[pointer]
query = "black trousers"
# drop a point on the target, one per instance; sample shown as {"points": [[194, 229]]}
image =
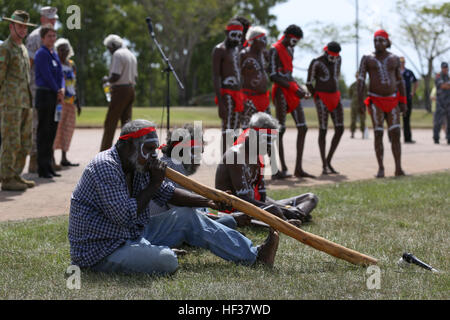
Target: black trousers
{"points": [[407, 121], [46, 131]]}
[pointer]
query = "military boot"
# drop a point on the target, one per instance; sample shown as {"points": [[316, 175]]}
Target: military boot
{"points": [[29, 183], [12, 184]]}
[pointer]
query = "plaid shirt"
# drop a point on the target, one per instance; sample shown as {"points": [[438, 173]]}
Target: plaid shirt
{"points": [[103, 216]]}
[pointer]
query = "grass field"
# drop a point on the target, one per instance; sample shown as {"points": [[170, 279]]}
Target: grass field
{"points": [[381, 218], [95, 116]]}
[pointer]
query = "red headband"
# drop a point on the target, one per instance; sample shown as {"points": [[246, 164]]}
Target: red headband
{"points": [[233, 27], [268, 131], [254, 38], [140, 133], [331, 53], [381, 33], [292, 36]]}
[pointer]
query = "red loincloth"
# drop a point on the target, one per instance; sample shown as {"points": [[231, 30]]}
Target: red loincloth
{"points": [[387, 104], [261, 101], [292, 100], [330, 99], [236, 95]]}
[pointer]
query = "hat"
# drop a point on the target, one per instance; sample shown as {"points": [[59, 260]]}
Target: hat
{"points": [[49, 12], [20, 17], [444, 65]]}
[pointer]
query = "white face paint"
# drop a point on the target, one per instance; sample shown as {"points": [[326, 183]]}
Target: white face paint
{"points": [[332, 59], [147, 155], [235, 35], [293, 42]]}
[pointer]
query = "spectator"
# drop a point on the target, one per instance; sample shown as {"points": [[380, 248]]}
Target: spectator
{"points": [[411, 85], [442, 103], [34, 42], [66, 125], [50, 91], [122, 76], [355, 109], [433, 107], [15, 104]]}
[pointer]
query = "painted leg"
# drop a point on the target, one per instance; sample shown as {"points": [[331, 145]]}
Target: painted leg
{"points": [[396, 151], [379, 151], [334, 143]]}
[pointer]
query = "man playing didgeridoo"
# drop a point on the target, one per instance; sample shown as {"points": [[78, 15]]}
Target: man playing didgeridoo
{"points": [[112, 230], [242, 172], [228, 81], [386, 97], [323, 84], [286, 94], [255, 80]]}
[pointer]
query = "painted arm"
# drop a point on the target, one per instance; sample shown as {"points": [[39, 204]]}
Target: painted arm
{"points": [[362, 83], [311, 77]]}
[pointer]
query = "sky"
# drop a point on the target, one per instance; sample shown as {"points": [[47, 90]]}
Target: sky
{"points": [[373, 13]]}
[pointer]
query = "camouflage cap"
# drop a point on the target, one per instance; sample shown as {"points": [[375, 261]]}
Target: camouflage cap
{"points": [[20, 17], [49, 12]]}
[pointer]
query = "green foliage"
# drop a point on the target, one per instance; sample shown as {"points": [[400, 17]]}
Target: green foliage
{"points": [[187, 31]]}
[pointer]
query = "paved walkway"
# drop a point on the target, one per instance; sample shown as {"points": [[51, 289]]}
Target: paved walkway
{"points": [[354, 159]]}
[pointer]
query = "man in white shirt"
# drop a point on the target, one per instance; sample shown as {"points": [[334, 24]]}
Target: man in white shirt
{"points": [[122, 77]]}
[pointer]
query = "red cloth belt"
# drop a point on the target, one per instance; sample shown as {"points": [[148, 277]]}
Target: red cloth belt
{"points": [[331, 53], [261, 101], [290, 95], [387, 104], [381, 33], [247, 44], [236, 95], [330, 99], [283, 54], [233, 27], [140, 133]]}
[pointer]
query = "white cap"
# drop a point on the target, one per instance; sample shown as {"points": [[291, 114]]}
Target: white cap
{"points": [[49, 12]]}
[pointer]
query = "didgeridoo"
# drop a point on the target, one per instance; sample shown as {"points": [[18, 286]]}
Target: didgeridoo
{"points": [[307, 238]]}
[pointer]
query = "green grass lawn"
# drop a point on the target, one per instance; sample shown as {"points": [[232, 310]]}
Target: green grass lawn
{"points": [[95, 116], [381, 218]]}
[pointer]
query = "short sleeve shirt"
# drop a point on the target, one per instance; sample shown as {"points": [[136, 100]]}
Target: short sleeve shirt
{"points": [[124, 63], [409, 78]]}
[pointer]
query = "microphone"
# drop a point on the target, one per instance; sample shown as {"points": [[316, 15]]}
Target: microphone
{"points": [[150, 26], [410, 258]]}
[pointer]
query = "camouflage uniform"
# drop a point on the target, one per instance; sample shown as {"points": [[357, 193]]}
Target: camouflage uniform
{"points": [[15, 108], [442, 107], [33, 44]]}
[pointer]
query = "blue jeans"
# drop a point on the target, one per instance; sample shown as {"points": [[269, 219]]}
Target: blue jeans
{"points": [[151, 253]]}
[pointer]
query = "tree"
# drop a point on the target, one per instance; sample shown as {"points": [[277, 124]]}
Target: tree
{"points": [[427, 28]]}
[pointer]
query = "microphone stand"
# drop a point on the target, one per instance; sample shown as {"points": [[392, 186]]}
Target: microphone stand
{"points": [[169, 69]]}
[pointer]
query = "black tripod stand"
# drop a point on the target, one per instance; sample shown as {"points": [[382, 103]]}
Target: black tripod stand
{"points": [[167, 70]]}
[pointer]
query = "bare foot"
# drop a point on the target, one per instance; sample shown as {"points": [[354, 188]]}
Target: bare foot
{"points": [[400, 173], [242, 219], [332, 169], [268, 250], [304, 174], [295, 222], [280, 175], [380, 173]]}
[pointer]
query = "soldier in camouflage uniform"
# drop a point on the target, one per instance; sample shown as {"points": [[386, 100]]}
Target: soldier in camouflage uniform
{"points": [[33, 43], [442, 83], [15, 104]]}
